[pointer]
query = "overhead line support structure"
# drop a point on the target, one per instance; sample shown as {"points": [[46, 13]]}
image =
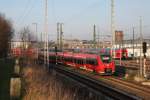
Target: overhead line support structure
{"points": [[141, 42], [36, 34], [58, 35], [46, 48], [94, 35], [61, 36], [112, 27]]}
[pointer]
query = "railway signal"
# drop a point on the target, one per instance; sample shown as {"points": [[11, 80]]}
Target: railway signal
{"points": [[144, 47], [144, 62]]}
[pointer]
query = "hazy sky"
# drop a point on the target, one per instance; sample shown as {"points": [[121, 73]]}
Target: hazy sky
{"points": [[78, 16]]}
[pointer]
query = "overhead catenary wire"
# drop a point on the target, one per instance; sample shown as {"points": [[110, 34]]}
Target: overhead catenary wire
{"points": [[23, 12], [80, 13], [128, 31], [75, 16], [53, 10], [27, 12]]}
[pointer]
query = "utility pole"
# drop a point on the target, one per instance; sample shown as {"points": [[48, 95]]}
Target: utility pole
{"points": [[98, 39], [133, 42], [94, 36], [58, 33], [61, 36], [41, 38], [46, 49], [112, 27], [141, 42], [36, 34]]}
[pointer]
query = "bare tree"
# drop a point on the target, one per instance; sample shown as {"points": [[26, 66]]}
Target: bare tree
{"points": [[26, 36], [6, 33]]}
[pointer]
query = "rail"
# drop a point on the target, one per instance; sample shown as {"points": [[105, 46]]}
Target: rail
{"points": [[135, 65], [96, 85]]}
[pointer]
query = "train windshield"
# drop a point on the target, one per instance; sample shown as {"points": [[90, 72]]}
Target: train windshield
{"points": [[91, 61], [106, 58]]}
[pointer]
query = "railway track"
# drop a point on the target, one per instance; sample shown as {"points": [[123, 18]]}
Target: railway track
{"points": [[113, 87], [131, 87], [135, 89], [135, 85], [134, 64]]}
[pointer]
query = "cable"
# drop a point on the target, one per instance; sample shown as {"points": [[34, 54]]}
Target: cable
{"points": [[53, 10], [28, 11], [23, 12], [75, 16]]}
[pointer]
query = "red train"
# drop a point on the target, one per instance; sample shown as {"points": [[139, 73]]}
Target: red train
{"points": [[18, 52], [117, 53], [102, 64]]}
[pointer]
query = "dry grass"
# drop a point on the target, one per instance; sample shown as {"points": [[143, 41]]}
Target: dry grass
{"points": [[39, 85]]}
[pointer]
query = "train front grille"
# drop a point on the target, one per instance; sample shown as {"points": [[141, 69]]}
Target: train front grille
{"points": [[108, 70]]}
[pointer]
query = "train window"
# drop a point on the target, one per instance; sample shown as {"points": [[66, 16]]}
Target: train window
{"points": [[106, 58], [76, 61], [68, 59], [91, 61], [80, 61], [53, 57], [71, 60], [59, 58]]}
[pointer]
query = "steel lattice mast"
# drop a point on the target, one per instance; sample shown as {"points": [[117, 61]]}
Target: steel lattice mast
{"points": [[141, 41], [46, 49], [113, 25]]}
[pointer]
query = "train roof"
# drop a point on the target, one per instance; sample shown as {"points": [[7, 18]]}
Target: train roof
{"points": [[85, 55], [91, 55], [67, 54], [79, 55]]}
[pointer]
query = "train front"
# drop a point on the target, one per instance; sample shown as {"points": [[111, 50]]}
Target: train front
{"points": [[106, 65]]}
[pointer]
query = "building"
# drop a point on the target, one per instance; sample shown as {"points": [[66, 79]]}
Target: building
{"points": [[75, 43], [134, 47]]}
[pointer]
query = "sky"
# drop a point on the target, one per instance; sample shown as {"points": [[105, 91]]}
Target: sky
{"points": [[78, 16]]}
